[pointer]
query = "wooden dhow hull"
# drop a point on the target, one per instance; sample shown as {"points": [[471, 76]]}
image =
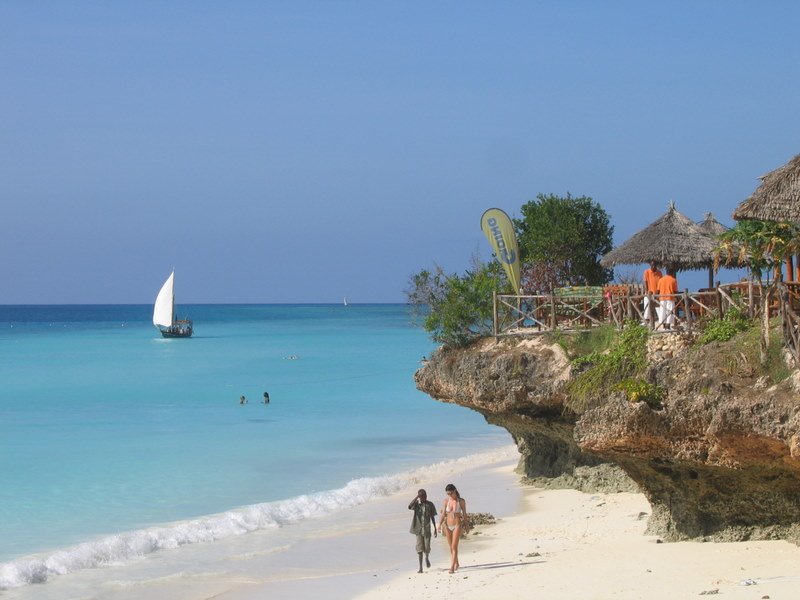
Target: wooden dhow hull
{"points": [[181, 329]]}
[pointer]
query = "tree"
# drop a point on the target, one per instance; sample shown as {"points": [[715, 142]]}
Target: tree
{"points": [[763, 246], [562, 240], [460, 307]]}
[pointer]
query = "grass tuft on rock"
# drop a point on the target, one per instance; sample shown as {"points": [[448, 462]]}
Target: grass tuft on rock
{"points": [[724, 329], [586, 342], [604, 371]]}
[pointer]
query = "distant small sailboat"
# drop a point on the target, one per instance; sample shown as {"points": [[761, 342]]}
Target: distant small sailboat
{"points": [[345, 301], [164, 316]]}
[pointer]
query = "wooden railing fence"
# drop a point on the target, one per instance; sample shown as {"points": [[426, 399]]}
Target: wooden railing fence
{"points": [[570, 309], [790, 319], [580, 308]]}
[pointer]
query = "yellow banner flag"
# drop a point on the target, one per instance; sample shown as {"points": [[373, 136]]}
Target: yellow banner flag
{"points": [[500, 231]]}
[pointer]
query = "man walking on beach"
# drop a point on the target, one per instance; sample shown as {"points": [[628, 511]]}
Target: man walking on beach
{"points": [[424, 517]]}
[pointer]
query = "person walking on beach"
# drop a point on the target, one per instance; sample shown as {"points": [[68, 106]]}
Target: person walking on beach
{"points": [[424, 516], [453, 520], [651, 277]]}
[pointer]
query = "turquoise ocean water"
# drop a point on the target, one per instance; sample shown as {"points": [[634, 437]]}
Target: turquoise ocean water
{"points": [[107, 430]]}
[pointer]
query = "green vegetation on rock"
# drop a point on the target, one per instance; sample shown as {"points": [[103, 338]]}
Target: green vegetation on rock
{"points": [[626, 359], [587, 341], [721, 330], [748, 344], [639, 390], [460, 306]]}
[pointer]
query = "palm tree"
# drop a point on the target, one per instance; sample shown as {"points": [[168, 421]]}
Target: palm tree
{"points": [[762, 246]]}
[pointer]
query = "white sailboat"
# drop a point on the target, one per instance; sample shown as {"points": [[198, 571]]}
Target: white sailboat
{"points": [[164, 316], [345, 301]]}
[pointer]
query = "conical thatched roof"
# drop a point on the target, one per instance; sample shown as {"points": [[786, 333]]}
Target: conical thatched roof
{"points": [[713, 229], [777, 198], [711, 226], [674, 239]]}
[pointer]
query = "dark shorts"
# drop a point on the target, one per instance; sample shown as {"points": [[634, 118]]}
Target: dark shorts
{"points": [[424, 543]]}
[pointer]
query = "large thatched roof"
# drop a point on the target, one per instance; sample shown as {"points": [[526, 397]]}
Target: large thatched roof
{"points": [[674, 239], [777, 198]]}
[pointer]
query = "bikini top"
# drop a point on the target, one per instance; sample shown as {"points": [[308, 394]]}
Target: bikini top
{"points": [[448, 508]]}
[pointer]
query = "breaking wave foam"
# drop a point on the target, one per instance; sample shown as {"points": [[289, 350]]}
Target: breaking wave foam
{"points": [[121, 547]]}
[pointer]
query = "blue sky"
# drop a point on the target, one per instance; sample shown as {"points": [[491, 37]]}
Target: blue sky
{"points": [[306, 151]]}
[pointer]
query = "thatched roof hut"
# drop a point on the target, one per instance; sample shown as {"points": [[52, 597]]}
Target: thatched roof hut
{"points": [[713, 229], [777, 198], [672, 240], [711, 226]]}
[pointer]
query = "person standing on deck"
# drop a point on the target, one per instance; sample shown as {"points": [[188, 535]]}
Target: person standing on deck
{"points": [[667, 288], [651, 277]]}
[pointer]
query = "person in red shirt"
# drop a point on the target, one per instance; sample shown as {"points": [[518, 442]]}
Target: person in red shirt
{"points": [[667, 290], [651, 277]]}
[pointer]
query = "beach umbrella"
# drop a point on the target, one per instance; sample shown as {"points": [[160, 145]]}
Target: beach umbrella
{"points": [[672, 240], [777, 198]]}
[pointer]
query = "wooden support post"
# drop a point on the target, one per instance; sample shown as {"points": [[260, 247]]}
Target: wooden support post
{"points": [[686, 309], [789, 268], [750, 310], [629, 304], [553, 319], [797, 267], [720, 310]]}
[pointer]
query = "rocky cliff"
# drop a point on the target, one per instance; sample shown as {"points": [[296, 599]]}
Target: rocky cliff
{"points": [[719, 459]]}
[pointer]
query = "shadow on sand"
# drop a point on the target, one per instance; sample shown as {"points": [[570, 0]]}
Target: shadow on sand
{"points": [[499, 565]]}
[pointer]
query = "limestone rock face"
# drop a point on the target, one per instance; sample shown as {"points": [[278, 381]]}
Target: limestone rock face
{"points": [[495, 378], [719, 460], [518, 387]]}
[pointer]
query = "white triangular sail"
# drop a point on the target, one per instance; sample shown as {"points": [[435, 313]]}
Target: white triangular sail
{"points": [[165, 302]]}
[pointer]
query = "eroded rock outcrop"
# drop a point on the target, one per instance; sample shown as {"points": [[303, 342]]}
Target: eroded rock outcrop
{"points": [[519, 387], [720, 459]]}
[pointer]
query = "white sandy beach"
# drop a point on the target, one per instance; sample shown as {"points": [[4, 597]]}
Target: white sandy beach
{"points": [[546, 544], [566, 544]]}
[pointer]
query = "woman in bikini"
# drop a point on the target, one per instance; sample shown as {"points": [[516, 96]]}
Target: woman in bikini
{"points": [[454, 517]]}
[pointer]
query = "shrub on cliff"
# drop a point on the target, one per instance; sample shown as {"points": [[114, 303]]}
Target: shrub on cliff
{"points": [[624, 360], [742, 355], [721, 330], [460, 307], [580, 344], [639, 390]]}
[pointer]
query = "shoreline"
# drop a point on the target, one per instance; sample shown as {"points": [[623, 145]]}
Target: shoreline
{"points": [[561, 544], [373, 530], [380, 548]]}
